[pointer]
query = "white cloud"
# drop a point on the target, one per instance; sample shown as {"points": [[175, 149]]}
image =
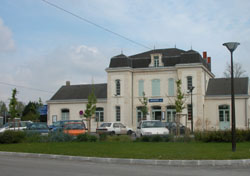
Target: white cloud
{"points": [[6, 41]]}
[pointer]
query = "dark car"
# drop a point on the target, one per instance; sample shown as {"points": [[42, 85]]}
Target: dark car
{"points": [[59, 125], [38, 127], [172, 127]]}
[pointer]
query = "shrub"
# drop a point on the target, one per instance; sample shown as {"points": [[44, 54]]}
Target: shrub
{"points": [[103, 137], [9, 137], [145, 139], [92, 138], [222, 136], [86, 138], [122, 138], [157, 138], [60, 137], [35, 137]]}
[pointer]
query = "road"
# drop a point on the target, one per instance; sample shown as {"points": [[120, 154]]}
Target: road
{"points": [[16, 166]]}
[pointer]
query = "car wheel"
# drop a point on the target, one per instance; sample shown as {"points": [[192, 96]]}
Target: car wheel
{"points": [[112, 133], [129, 132]]}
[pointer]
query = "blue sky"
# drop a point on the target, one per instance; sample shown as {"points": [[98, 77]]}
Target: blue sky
{"points": [[42, 47]]}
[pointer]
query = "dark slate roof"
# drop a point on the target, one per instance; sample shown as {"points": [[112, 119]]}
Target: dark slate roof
{"points": [[170, 57], [222, 86], [80, 92]]}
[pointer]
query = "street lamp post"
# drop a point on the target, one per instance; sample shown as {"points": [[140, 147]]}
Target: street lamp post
{"points": [[231, 46], [191, 88]]}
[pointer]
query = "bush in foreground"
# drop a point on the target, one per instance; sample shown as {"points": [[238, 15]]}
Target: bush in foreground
{"points": [[9, 137]]}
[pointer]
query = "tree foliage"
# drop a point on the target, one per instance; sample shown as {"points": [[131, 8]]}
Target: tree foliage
{"points": [[179, 101], [3, 109], [90, 107], [13, 104], [144, 102], [31, 112], [238, 71]]}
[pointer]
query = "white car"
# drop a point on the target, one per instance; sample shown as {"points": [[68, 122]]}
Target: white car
{"points": [[150, 128], [21, 125], [113, 128]]}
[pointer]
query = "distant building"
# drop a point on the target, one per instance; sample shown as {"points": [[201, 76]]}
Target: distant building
{"points": [[155, 73]]}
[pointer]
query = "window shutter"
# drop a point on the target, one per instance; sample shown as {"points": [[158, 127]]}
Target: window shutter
{"points": [[141, 87], [171, 87], [156, 87]]}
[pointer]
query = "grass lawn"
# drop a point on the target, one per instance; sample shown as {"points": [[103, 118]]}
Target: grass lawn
{"points": [[140, 150]]}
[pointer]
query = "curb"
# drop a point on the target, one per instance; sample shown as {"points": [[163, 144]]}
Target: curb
{"points": [[243, 162]]}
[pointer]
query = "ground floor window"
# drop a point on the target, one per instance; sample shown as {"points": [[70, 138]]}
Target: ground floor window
{"points": [[118, 113], [65, 114], [99, 114], [171, 113], [224, 115], [140, 115]]}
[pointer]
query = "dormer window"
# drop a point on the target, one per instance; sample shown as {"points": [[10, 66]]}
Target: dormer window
{"points": [[156, 61]]}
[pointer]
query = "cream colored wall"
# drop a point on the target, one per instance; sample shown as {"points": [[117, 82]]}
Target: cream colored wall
{"points": [[74, 108], [212, 111], [124, 100]]}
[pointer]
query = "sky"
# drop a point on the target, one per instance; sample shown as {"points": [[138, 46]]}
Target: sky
{"points": [[42, 47]]}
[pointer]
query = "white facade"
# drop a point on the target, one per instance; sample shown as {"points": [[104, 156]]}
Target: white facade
{"points": [[158, 81]]}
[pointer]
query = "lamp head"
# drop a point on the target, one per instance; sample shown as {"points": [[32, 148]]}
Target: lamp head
{"points": [[231, 46]]}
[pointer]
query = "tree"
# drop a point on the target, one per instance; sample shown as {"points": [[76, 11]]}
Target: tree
{"points": [[179, 104], [20, 107], [144, 102], [3, 109], [238, 71], [90, 108], [30, 111], [13, 104]]}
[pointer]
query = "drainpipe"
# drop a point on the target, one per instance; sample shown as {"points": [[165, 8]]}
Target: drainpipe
{"points": [[246, 112], [132, 101]]}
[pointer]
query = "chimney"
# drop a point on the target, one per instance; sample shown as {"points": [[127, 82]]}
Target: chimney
{"points": [[204, 55], [209, 60], [67, 83]]}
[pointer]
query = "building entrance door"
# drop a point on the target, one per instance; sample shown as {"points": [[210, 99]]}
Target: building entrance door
{"points": [[156, 113], [224, 117]]}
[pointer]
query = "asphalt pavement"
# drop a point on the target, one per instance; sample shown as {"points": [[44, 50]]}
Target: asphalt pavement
{"points": [[23, 166]]}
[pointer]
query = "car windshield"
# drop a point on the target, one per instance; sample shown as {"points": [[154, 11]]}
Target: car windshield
{"points": [[74, 126], [152, 124], [105, 125]]}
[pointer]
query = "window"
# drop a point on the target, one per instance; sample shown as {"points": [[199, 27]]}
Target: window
{"points": [[156, 61], [118, 87], [99, 114], [189, 82], [156, 87], [140, 116], [65, 114], [118, 113], [171, 113], [224, 115], [170, 87], [141, 88], [189, 109]]}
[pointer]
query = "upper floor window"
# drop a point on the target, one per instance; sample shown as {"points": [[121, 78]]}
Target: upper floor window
{"points": [[156, 87], [170, 87], [118, 113], [141, 87], [118, 87], [156, 61], [65, 114], [189, 82]]}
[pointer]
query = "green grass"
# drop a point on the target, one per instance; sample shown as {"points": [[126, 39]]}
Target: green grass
{"points": [[140, 150]]}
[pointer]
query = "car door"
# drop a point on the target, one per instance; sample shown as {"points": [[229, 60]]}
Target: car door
{"points": [[116, 127], [123, 129]]}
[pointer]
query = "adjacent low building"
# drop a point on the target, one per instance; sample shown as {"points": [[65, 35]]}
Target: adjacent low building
{"points": [[154, 73]]}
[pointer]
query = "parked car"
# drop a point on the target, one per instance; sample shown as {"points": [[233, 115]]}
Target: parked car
{"points": [[18, 125], [113, 128], [38, 127], [172, 127], [150, 128], [74, 128], [59, 125]]}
